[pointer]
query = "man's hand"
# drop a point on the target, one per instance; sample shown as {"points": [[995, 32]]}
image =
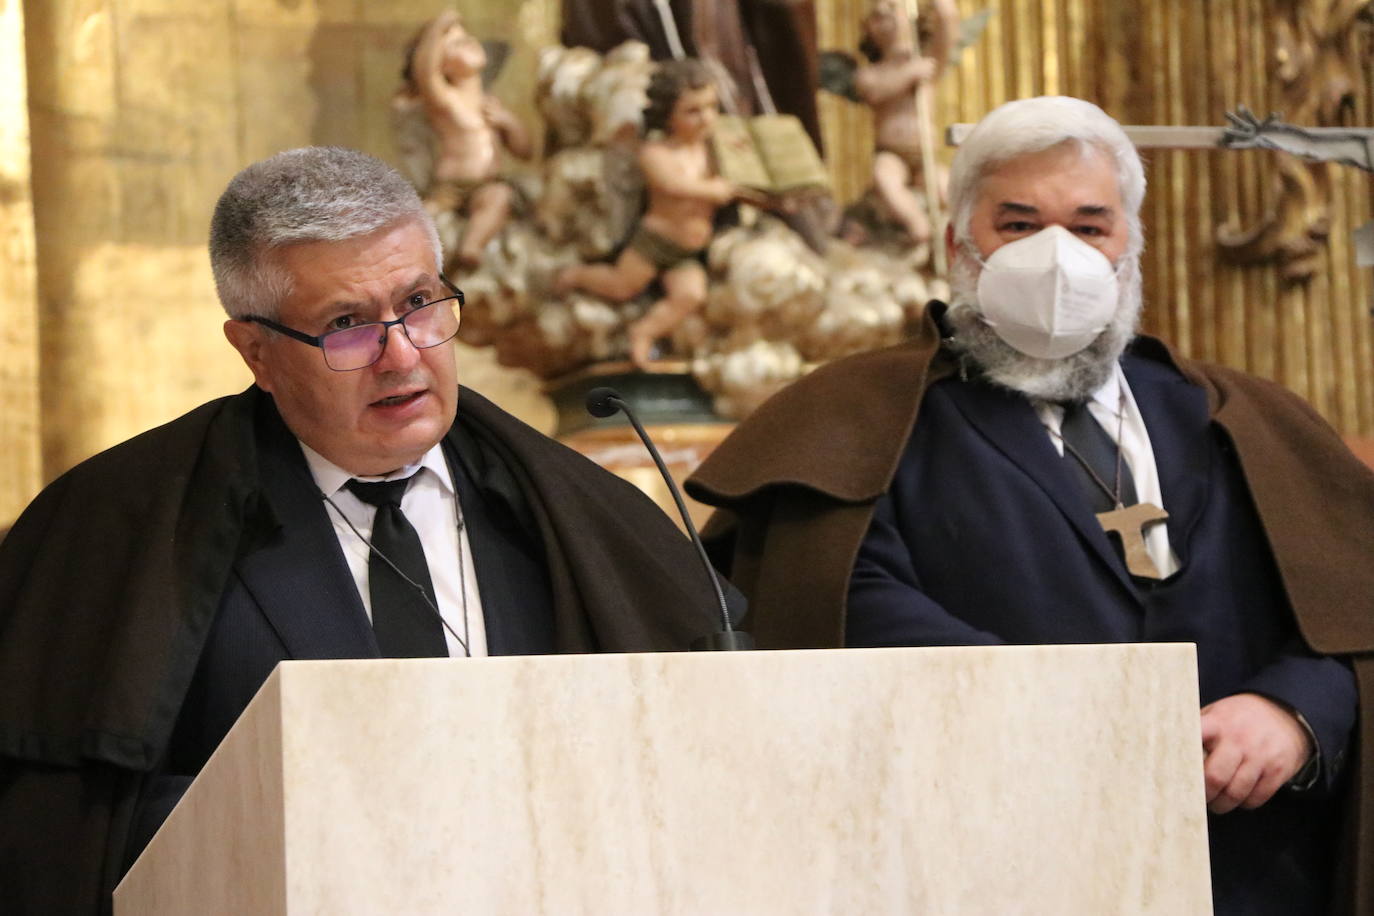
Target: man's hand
{"points": [[1253, 746]]}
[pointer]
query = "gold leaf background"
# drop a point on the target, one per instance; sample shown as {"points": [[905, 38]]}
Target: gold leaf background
{"points": [[121, 120]]}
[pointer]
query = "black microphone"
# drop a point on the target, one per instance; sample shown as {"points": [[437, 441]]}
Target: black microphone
{"points": [[606, 402]]}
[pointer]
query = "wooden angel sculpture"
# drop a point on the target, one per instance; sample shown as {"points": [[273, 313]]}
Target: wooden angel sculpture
{"points": [[683, 192], [469, 131]]}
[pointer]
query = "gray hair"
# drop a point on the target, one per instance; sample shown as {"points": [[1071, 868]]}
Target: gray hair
{"points": [[1029, 126], [313, 194]]}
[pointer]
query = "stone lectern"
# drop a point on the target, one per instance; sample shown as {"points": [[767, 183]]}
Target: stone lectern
{"points": [[1036, 780]]}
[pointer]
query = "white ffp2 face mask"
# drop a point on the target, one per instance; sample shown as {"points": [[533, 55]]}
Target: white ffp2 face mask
{"points": [[1049, 294]]}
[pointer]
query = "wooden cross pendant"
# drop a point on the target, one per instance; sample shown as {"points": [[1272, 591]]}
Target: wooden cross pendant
{"points": [[1129, 524]]}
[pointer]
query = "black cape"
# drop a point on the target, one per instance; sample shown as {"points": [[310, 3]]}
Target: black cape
{"points": [[111, 578]]}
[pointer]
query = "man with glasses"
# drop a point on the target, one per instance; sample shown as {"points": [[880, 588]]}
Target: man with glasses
{"points": [[352, 503]]}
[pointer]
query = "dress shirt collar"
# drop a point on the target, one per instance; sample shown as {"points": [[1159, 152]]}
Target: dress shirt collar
{"points": [[1105, 401], [1109, 394], [331, 478]]}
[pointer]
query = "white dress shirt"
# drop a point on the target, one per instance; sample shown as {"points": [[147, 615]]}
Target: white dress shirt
{"points": [[431, 506], [1106, 408]]}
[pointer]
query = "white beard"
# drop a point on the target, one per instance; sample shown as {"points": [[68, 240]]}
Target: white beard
{"points": [[1072, 378]]}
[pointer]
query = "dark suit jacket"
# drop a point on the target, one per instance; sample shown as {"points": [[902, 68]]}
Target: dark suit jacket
{"points": [[985, 537], [802, 488], [164, 571], [292, 596]]}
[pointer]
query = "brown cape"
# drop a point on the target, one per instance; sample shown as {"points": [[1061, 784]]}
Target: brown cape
{"points": [[796, 485], [111, 578]]}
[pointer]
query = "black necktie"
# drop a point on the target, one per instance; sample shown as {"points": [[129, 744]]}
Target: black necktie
{"points": [[406, 626], [1085, 438]]}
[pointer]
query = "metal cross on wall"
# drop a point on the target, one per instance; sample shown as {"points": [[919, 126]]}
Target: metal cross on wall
{"points": [[1350, 146], [1346, 145]]}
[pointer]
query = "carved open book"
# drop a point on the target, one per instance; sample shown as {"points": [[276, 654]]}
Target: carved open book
{"points": [[771, 153]]}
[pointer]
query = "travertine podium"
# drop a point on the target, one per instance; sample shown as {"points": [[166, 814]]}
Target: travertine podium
{"points": [[1019, 780]]}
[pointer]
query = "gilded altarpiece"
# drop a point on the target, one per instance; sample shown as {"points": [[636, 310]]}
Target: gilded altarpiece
{"points": [[140, 110], [1291, 305], [20, 463]]}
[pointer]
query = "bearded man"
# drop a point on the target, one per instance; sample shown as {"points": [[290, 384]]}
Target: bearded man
{"points": [[1028, 470]]}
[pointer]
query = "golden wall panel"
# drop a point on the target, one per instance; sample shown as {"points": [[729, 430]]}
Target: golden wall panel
{"points": [[1184, 62], [20, 457], [120, 197], [846, 128], [141, 111]]}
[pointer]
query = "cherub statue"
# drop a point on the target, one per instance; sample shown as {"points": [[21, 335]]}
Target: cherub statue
{"points": [[443, 77], [888, 84], [684, 193]]}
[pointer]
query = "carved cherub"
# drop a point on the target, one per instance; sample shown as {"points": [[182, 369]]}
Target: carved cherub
{"points": [[470, 128], [684, 192], [888, 84]]}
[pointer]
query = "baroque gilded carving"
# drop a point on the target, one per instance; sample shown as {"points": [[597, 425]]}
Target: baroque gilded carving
{"points": [[771, 307], [1320, 50]]}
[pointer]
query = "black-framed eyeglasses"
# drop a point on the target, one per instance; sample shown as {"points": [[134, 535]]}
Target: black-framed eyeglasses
{"points": [[358, 347]]}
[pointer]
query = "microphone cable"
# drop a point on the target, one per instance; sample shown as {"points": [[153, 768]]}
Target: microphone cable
{"points": [[605, 402], [424, 596]]}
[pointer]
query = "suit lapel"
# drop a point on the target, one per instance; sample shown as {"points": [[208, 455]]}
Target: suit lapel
{"points": [[1010, 424], [511, 580], [1175, 415], [298, 575]]}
